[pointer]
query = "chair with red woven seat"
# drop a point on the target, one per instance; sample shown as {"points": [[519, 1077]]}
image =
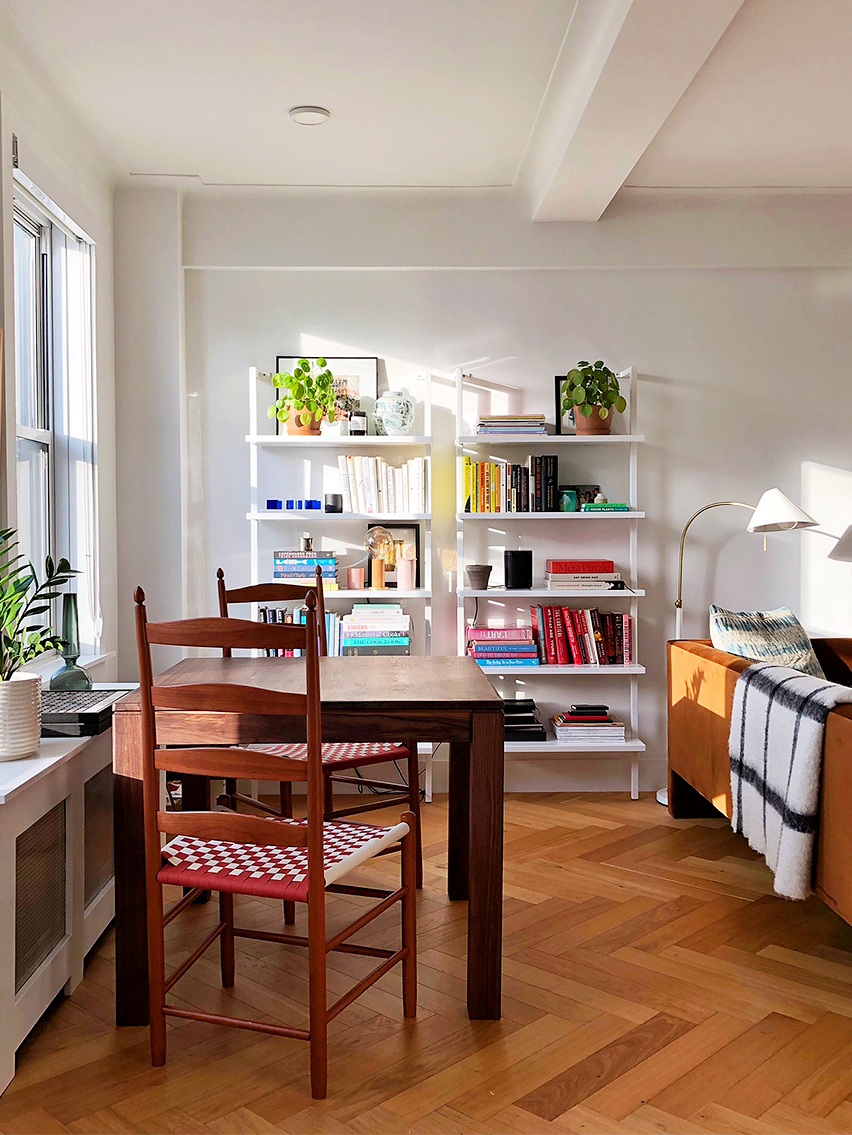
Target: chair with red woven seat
{"points": [[274, 857], [337, 756]]}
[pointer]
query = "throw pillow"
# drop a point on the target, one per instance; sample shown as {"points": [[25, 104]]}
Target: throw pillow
{"points": [[765, 636]]}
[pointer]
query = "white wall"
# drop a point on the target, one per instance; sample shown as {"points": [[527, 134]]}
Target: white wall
{"points": [[744, 372]]}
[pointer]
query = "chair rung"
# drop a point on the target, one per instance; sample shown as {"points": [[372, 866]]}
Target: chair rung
{"points": [[366, 918], [187, 900], [366, 982], [379, 802], [193, 957], [339, 778], [250, 802], [297, 940], [238, 1023], [366, 892]]}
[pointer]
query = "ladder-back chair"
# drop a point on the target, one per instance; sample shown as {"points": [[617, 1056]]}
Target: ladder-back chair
{"points": [[273, 857], [338, 757]]}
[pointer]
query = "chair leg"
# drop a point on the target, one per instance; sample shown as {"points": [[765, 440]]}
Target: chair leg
{"points": [[230, 792], [409, 917], [156, 975], [226, 942], [285, 804], [414, 804], [317, 997], [327, 795]]}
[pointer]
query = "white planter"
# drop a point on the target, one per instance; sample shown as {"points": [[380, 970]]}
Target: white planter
{"points": [[20, 716]]}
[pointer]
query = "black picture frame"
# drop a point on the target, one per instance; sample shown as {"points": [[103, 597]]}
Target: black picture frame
{"points": [[409, 532], [368, 376]]}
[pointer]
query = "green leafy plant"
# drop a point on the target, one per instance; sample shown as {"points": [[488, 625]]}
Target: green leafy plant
{"points": [[23, 600], [591, 386], [308, 392]]}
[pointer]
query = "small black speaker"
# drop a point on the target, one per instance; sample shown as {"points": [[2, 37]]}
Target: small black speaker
{"points": [[518, 570]]}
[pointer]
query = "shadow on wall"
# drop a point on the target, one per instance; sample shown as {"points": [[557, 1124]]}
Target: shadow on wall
{"points": [[826, 602]]}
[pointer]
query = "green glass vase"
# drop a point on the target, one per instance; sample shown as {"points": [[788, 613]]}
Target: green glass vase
{"points": [[70, 676]]}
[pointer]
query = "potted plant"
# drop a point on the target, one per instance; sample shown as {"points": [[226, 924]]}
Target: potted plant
{"points": [[592, 391], [23, 602], [307, 396]]}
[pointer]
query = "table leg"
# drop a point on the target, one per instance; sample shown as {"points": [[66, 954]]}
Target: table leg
{"points": [[485, 910], [131, 938], [459, 814]]}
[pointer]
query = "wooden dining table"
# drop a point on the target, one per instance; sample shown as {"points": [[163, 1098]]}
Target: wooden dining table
{"points": [[430, 699]]}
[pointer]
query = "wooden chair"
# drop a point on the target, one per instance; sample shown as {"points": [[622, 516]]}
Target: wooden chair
{"points": [[281, 858], [338, 757]]}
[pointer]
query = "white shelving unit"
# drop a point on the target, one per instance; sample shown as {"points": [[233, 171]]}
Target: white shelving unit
{"points": [[514, 447]]}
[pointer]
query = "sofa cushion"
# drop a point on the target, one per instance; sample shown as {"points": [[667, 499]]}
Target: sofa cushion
{"points": [[765, 636]]}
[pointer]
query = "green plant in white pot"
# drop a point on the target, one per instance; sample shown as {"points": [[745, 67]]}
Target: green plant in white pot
{"points": [[23, 637], [593, 392], [307, 396]]}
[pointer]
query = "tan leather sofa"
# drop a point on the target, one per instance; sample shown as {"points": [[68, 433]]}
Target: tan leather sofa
{"points": [[701, 694]]}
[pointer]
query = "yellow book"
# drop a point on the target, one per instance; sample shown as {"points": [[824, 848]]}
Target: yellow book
{"points": [[468, 503]]}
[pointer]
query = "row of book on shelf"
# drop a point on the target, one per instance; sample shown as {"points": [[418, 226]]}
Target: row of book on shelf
{"points": [[371, 485], [558, 636], [504, 486], [370, 629]]}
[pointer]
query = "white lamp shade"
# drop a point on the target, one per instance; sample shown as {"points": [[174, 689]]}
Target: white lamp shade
{"points": [[775, 512], [842, 550]]}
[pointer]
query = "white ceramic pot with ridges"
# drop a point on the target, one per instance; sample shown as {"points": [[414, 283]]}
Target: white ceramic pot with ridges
{"points": [[20, 716]]}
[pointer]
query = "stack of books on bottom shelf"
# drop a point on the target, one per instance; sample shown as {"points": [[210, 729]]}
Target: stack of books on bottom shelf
{"points": [[298, 567], [502, 646], [374, 629], [588, 725], [521, 720]]}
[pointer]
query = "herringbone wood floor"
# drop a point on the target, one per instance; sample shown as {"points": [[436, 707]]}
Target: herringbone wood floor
{"points": [[652, 984]]}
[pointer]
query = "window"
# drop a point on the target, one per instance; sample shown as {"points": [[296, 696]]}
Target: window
{"points": [[54, 271]]}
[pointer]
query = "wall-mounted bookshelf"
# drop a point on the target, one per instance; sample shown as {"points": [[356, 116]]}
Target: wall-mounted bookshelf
{"points": [[620, 527]]}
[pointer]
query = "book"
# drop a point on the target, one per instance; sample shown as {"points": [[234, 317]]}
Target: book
{"points": [[549, 637], [305, 557], [585, 585], [377, 640], [584, 566], [496, 634], [620, 507], [374, 651], [562, 654], [581, 576], [501, 647], [487, 662]]}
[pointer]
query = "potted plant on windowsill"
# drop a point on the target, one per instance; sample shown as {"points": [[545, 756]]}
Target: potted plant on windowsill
{"points": [[23, 602], [307, 396], [593, 392]]}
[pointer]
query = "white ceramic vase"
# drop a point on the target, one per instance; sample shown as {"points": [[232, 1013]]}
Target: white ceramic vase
{"points": [[20, 716], [394, 414]]}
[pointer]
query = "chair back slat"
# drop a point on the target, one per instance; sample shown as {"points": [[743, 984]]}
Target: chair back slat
{"points": [[227, 698], [218, 633], [250, 764], [274, 593], [232, 826]]}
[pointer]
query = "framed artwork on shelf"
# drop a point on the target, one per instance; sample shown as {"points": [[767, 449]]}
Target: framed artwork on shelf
{"points": [[406, 539], [356, 381], [564, 422]]}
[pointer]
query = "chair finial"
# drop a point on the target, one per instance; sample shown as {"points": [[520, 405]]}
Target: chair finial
{"points": [[139, 596], [219, 573], [311, 600]]}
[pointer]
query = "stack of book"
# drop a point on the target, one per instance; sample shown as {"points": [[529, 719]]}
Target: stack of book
{"points": [[512, 424], [522, 721], [375, 629], [566, 637], [502, 646], [588, 725], [609, 506], [500, 486], [370, 485], [582, 575], [299, 568]]}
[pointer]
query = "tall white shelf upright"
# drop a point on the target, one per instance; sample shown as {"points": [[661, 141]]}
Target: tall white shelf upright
{"points": [[515, 448]]}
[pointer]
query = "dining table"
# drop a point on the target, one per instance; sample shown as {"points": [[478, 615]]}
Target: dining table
{"points": [[406, 698]]}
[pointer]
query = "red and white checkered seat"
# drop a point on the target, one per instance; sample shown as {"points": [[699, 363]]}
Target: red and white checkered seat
{"points": [[341, 754], [271, 872]]}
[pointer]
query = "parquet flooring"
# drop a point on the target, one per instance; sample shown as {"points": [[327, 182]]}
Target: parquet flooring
{"points": [[652, 983]]}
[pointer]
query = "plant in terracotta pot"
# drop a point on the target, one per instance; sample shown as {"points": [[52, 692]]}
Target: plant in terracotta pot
{"points": [[307, 396], [23, 637], [593, 392]]}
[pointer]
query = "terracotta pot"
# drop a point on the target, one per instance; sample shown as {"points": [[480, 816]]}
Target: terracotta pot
{"points": [[594, 424], [294, 424]]}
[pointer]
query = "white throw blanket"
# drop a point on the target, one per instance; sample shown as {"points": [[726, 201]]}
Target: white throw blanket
{"points": [[777, 729]]}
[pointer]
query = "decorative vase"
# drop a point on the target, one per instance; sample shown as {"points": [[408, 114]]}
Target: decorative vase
{"points": [[20, 716], [295, 425], [394, 414], [477, 576], [71, 676], [594, 424]]}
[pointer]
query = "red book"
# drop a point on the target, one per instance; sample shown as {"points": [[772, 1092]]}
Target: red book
{"points": [[537, 616], [588, 638], [607, 620], [500, 634], [549, 637], [618, 629], [561, 637], [564, 567], [628, 639], [581, 636], [573, 645]]}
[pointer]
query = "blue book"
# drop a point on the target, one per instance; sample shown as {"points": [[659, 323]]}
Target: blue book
{"points": [[303, 560], [504, 647], [486, 662], [384, 640]]}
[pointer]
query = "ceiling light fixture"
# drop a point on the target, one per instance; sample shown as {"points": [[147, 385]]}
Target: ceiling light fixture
{"points": [[309, 115]]}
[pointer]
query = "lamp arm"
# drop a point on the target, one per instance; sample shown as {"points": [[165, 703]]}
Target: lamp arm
{"points": [[695, 515]]}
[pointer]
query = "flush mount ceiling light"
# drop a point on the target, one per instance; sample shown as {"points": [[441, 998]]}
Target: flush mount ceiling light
{"points": [[309, 115]]}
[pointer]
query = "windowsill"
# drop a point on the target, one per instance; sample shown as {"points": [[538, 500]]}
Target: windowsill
{"points": [[47, 665]]}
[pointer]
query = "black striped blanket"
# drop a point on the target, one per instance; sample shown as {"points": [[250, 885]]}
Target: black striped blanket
{"points": [[777, 729]]}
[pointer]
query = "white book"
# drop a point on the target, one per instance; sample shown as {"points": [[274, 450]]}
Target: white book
{"points": [[344, 482], [406, 489], [398, 497], [389, 494], [381, 482], [360, 483], [353, 487]]}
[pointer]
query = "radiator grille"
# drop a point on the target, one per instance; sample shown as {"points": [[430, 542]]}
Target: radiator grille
{"points": [[98, 861], [39, 892]]}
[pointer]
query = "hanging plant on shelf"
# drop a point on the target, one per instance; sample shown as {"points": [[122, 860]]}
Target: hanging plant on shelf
{"points": [[307, 396], [592, 391]]}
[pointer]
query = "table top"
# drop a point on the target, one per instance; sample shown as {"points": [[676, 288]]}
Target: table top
{"points": [[369, 684]]}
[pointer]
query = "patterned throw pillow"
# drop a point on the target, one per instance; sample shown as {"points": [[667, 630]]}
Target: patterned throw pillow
{"points": [[765, 636]]}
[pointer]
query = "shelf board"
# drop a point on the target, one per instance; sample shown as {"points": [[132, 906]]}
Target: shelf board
{"points": [[329, 441], [546, 593], [379, 593], [318, 514], [549, 515], [554, 746], [549, 439], [603, 671]]}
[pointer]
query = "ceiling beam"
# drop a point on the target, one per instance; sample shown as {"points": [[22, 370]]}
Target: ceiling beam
{"points": [[622, 67]]}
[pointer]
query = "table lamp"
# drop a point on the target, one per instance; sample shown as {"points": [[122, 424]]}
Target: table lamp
{"points": [[842, 550]]}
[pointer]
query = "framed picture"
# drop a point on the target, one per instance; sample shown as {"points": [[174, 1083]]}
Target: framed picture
{"points": [[585, 494], [564, 423], [407, 538], [356, 381]]}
